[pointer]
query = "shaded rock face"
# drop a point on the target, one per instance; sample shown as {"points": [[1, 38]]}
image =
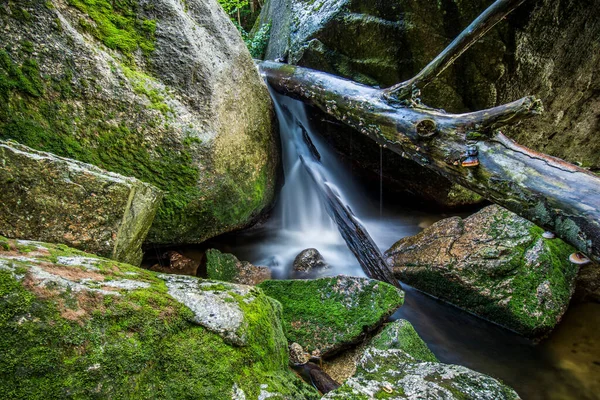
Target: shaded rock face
{"points": [[327, 314], [308, 262], [588, 283], [398, 365], [176, 263], [55, 199], [494, 264], [72, 322], [547, 48], [226, 267], [164, 91]]}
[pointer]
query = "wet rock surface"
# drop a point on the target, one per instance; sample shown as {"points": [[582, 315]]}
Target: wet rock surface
{"points": [[327, 314], [494, 264], [72, 322], [396, 364], [309, 262], [226, 267], [49, 198]]}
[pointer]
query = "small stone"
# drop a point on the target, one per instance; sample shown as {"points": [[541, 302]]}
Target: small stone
{"points": [[298, 355], [308, 261], [548, 235]]}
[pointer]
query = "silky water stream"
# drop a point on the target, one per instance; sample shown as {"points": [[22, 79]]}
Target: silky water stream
{"points": [[564, 366]]}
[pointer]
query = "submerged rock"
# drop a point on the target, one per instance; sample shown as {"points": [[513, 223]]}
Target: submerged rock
{"points": [[56, 199], [494, 264], [396, 364], [164, 91], [226, 267], [77, 325], [309, 261], [327, 314]]}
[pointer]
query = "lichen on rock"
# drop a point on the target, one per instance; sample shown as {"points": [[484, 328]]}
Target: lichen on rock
{"points": [[396, 364], [494, 264], [76, 325], [327, 314]]}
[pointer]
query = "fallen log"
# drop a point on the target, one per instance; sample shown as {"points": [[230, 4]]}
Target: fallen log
{"points": [[467, 149]]}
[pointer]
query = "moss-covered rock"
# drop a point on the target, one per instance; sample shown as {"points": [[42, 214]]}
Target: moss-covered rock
{"points": [[327, 314], [494, 264], [74, 325], [396, 364], [226, 267], [54, 199], [401, 335], [164, 91], [394, 374]]}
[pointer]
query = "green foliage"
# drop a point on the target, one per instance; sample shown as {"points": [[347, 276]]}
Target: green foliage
{"points": [[232, 6], [117, 24], [257, 44]]}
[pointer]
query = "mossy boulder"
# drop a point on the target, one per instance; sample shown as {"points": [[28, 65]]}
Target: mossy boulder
{"points": [[74, 325], [494, 264], [396, 364], [55, 199], [163, 91], [226, 267], [328, 314]]}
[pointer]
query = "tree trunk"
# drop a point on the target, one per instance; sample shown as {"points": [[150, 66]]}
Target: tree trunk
{"points": [[465, 148]]}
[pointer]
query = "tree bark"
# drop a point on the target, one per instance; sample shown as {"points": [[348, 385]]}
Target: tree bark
{"points": [[465, 148]]}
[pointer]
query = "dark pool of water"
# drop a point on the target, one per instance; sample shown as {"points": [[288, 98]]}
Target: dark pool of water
{"points": [[564, 366]]}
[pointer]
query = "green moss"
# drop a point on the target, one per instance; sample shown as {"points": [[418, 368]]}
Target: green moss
{"points": [[141, 344], [4, 243], [523, 312], [221, 266], [145, 85], [401, 335], [118, 24], [328, 312]]}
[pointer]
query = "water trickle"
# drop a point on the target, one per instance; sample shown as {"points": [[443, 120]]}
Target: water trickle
{"points": [[380, 181]]}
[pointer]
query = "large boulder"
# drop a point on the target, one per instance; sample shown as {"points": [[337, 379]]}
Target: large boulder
{"points": [[494, 264], [398, 365], [55, 199], [547, 48], [164, 91], [328, 314], [74, 325]]}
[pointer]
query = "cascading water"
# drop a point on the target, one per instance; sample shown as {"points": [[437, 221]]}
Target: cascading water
{"points": [[300, 219]]}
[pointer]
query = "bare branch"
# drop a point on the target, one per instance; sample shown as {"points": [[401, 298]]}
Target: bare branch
{"points": [[478, 28]]}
